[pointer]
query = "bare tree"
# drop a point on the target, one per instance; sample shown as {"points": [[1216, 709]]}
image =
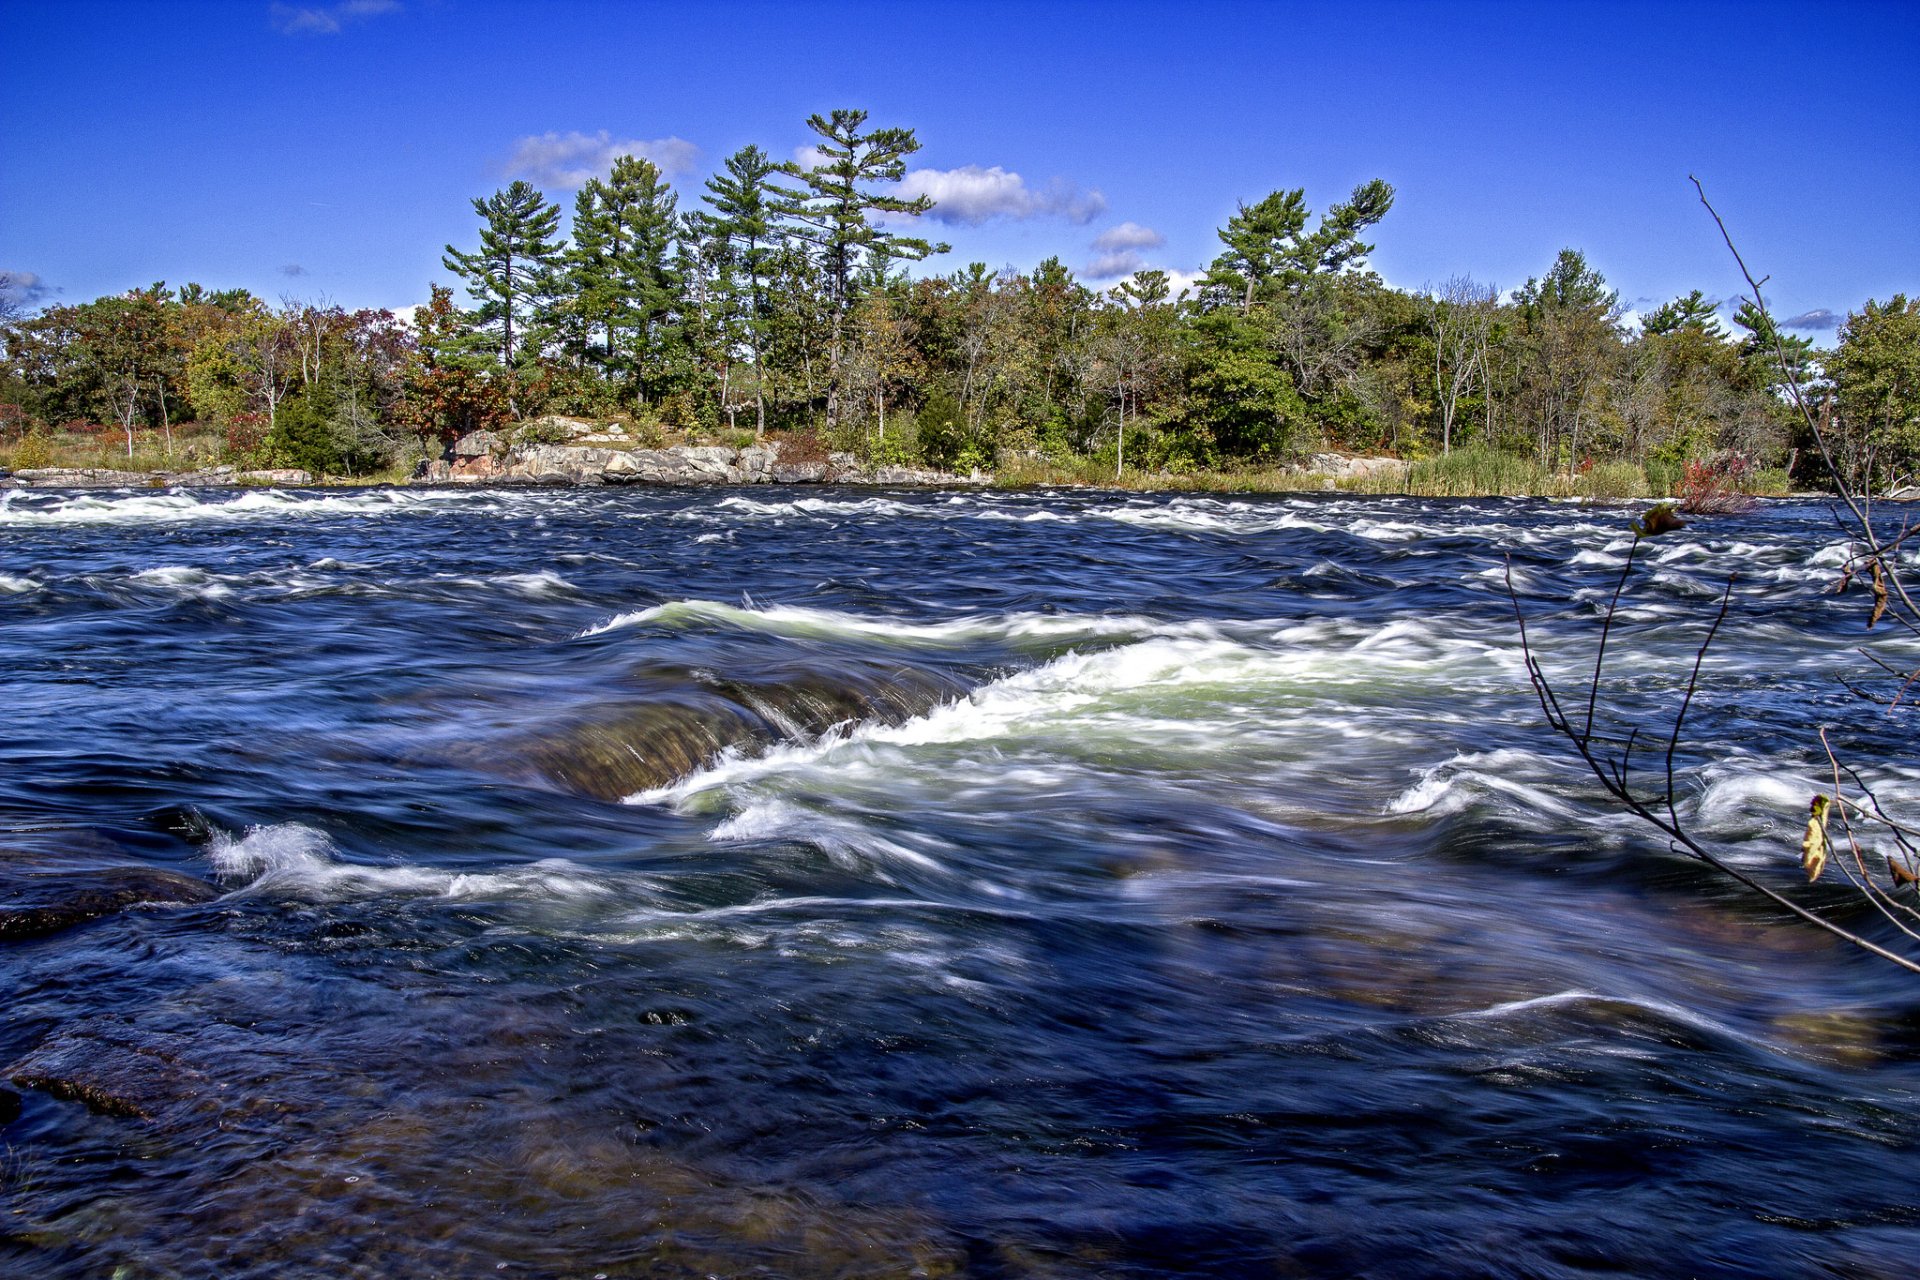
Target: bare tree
{"points": [[1459, 318]]}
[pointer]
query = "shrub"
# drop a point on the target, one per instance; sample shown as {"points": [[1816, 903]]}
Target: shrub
{"points": [[35, 449], [1714, 485], [246, 436]]}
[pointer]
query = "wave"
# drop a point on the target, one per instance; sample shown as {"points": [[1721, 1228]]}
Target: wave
{"points": [[809, 622], [146, 507], [1204, 694], [291, 859]]}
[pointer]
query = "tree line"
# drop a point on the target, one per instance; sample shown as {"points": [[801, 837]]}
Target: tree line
{"points": [[781, 299]]}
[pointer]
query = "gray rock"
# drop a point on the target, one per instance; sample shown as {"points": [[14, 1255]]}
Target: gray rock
{"points": [[912, 476], [557, 464], [82, 478], [202, 478], [799, 472], [479, 444], [281, 475]]}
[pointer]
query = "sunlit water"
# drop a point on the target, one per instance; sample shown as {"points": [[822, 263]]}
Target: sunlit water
{"points": [[839, 883]]}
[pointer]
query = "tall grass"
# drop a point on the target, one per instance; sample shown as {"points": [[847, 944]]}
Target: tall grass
{"points": [[193, 446], [1480, 472]]}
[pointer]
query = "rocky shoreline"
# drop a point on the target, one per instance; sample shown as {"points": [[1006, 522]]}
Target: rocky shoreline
{"points": [[571, 451], [487, 457], [551, 451]]}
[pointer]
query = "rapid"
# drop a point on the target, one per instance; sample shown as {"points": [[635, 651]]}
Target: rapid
{"points": [[846, 882]]}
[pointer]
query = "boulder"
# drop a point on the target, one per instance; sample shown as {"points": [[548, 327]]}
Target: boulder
{"points": [[799, 472], [912, 475], [279, 475], [756, 463], [647, 466]]}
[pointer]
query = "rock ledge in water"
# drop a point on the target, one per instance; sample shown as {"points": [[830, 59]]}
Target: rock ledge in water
{"points": [[36, 904]]}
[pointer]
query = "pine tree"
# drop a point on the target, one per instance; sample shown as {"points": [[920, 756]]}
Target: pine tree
{"points": [[829, 212], [742, 232], [625, 289], [513, 275], [1268, 245]]}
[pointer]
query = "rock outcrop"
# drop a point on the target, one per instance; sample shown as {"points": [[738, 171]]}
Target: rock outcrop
{"points": [[489, 457], [106, 478]]}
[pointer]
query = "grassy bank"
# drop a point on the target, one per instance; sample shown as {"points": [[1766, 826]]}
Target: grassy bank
{"points": [[1464, 473]]}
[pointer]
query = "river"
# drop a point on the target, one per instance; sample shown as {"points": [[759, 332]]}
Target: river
{"points": [[787, 882]]}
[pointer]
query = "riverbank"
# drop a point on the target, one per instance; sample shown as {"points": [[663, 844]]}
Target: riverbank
{"points": [[567, 451]]}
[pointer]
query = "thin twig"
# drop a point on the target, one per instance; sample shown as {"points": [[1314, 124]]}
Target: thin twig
{"points": [[1606, 628]]}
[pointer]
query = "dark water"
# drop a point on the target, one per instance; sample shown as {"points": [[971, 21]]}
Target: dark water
{"points": [[646, 883]]}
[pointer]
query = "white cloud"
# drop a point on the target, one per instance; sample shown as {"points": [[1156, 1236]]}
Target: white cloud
{"points": [[809, 156], [327, 19], [24, 287], [1111, 266], [1128, 235], [568, 160], [1819, 318], [971, 195]]}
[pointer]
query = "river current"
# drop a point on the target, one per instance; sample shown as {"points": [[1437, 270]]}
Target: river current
{"points": [[782, 882]]}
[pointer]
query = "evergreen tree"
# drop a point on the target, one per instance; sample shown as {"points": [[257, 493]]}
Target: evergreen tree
{"points": [[624, 283], [1569, 336], [513, 274], [741, 229], [1269, 247], [830, 209], [1695, 311]]}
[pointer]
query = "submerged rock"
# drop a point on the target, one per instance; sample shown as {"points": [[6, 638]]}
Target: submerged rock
{"points": [[35, 904], [111, 1070], [616, 753]]}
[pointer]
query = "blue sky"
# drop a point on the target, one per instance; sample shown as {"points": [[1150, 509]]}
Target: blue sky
{"points": [[331, 149]]}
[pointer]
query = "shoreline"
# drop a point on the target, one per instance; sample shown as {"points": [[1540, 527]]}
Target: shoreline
{"points": [[489, 459]]}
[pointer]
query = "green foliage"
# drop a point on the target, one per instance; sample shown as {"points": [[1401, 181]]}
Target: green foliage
{"points": [[942, 432], [1876, 377], [513, 274], [1469, 472], [34, 449], [1613, 481]]}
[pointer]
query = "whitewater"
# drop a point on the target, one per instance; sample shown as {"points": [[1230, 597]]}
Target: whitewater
{"points": [[854, 882]]}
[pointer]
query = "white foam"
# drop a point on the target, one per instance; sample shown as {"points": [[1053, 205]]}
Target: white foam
{"points": [[11, 585], [807, 621], [1475, 776], [295, 860], [535, 585], [1161, 693], [178, 506], [186, 580]]}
